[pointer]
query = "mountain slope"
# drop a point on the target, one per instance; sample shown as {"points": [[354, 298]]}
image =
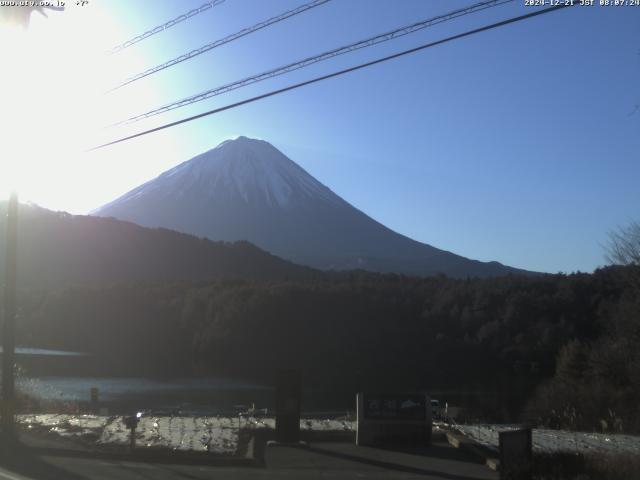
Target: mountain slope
{"points": [[246, 189], [57, 249]]}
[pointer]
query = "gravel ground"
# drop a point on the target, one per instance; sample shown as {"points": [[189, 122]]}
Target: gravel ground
{"points": [[552, 441]]}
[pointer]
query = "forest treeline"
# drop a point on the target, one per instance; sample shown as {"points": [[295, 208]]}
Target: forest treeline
{"points": [[566, 343]]}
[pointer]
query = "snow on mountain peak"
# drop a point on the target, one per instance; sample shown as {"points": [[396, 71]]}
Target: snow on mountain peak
{"points": [[246, 189], [252, 169]]}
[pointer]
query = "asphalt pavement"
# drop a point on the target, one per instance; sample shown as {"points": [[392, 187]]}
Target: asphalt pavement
{"points": [[318, 460]]}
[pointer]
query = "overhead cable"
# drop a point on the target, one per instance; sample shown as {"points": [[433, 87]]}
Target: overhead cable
{"points": [[335, 74], [160, 28], [399, 32], [222, 41]]}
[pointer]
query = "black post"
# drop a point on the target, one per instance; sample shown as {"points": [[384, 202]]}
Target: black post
{"points": [[132, 438], [94, 400], [288, 400], [8, 328]]}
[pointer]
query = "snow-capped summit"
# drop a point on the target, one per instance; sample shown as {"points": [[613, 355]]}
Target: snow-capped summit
{"points": [[243, 169], [246, 189]]}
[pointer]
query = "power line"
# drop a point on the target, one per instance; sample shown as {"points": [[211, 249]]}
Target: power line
{"points": [[180, 18], [223, 41], [338, 73], [399, 32]]}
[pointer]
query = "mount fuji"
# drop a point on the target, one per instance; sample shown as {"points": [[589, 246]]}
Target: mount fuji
{"points": [[246, 189]]}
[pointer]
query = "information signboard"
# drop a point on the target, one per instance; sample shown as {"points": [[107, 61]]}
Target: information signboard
{"points": [[387, 418], [398, 407]]}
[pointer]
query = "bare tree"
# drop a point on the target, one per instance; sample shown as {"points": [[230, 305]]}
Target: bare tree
{"points": [[624, 245]]}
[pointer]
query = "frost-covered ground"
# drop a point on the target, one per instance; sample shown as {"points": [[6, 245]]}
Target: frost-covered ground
{"points": [[213, 434], [552, 441], [316, 425], [221, 435]]}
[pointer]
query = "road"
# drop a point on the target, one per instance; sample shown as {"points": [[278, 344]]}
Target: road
{"points": [[326, 460]]}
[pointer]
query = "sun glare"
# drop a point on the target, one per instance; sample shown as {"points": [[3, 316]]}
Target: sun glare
{"points": [[52, 98]]}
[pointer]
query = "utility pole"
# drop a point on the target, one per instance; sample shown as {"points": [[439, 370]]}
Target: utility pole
{"points": [[20, 16], [8, 327], [16, 15]]}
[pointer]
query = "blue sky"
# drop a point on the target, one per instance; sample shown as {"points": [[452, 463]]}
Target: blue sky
{"points": [[517, 145]]}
